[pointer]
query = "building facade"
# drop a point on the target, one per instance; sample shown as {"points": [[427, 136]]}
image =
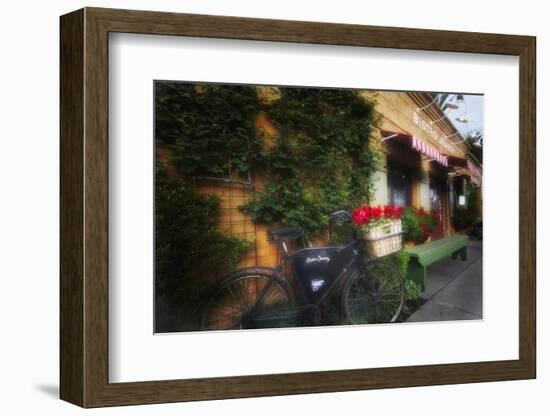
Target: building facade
{"points": [[426, 162]]}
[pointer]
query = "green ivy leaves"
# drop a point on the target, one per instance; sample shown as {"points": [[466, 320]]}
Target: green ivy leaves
{"points": [[210, 128], [322, 161], [189, 249]]}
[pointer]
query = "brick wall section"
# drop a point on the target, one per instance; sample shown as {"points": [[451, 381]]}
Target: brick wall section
{"points": [[232, 220]]}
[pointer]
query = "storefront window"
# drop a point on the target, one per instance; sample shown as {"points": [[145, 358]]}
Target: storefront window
{"points": [[399, 185]]}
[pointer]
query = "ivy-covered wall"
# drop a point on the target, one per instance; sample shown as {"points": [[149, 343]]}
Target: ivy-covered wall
{"points": [[317, 159], [308, 151], [250, 158]]}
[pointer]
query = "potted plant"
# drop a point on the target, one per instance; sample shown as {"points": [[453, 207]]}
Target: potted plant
{"points": [[418, 224], [381, 228]]}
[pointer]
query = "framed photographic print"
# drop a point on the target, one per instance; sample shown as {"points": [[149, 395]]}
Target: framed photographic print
{"points": [[256, 207]]}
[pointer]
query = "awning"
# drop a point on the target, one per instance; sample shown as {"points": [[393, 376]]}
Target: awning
{"points": [[465, 167], [455, 161], [420, 146]]}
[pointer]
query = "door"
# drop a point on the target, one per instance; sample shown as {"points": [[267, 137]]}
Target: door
{"points": [[438, 207], [399, 185]]}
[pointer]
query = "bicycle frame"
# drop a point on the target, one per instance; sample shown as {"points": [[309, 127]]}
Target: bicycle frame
{"points": [[314, 289], [318, 272]]}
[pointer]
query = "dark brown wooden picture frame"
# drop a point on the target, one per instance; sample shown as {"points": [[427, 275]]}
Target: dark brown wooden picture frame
{"points": [[84, 207]]}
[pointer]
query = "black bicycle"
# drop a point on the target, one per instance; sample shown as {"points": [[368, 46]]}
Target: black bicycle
{"points": [[372, 290]]}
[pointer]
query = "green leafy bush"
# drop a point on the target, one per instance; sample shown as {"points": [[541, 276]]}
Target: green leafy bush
{"points": [[321, 160], [189, 249], [400, 260], [418, 224], [412, 290]]}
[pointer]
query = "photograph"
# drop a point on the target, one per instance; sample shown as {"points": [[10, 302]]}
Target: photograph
{"points": [[247, 208], [293, 206]]}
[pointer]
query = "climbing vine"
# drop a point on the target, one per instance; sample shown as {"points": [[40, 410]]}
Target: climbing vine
{"points": [[321, 160], [209, 128], [317, 158]]}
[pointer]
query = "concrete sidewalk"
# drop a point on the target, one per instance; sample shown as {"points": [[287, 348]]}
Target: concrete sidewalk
{"points": [[453, 289]]}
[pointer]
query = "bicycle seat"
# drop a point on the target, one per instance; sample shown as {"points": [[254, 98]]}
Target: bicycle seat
{"points": [[285, 234]]}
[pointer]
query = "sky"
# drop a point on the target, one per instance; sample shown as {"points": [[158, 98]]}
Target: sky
{"points": [[471, 108]]}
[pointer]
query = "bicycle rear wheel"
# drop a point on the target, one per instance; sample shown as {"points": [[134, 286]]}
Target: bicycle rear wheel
{"points": [[234, 305], [375, 297]]}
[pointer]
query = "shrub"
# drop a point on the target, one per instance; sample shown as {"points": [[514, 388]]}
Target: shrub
{"points": [[418, 224], [189, 249], [412, 290], [401, 261]]}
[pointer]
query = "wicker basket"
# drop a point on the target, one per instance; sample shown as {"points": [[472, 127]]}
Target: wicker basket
{"points": [[384, 239]]}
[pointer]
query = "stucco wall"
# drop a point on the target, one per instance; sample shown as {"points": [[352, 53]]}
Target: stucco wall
{"points": [[381, 190]]}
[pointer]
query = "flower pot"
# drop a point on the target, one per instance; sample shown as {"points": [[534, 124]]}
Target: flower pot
{"points": [[384, 239]]}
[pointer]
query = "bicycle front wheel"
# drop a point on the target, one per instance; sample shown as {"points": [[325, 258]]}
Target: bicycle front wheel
{"points": [[236, 303], [374, 297]]}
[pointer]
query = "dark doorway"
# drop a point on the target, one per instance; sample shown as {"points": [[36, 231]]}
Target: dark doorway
{"points": [[399, 185], [438, 206]]}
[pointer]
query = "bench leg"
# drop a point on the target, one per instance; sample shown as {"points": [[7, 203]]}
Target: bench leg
{"points": [[462, 253], [417, 273]]}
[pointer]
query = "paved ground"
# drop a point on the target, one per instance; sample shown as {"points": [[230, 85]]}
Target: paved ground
{"points": [[453, 289]]}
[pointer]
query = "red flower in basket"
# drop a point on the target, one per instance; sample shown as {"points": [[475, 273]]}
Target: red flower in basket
{"points": [[379, 228], [362, 216], [398, 212], [377, 212], [368, 215]]}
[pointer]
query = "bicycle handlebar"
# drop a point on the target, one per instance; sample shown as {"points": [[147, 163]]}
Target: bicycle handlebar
{"points": [[340, 216]]}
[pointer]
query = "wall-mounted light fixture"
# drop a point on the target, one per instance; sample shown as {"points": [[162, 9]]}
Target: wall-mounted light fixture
{"points": [[455, 102]]}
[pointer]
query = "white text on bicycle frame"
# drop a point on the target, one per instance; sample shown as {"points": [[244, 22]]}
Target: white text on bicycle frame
{"points": [[317, 259]]}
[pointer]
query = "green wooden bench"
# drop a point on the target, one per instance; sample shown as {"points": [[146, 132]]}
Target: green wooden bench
{"points": [[425, 254]]}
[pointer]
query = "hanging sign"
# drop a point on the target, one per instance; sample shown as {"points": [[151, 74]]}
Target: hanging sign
{"points": [[429, 151], [428, 128]]}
